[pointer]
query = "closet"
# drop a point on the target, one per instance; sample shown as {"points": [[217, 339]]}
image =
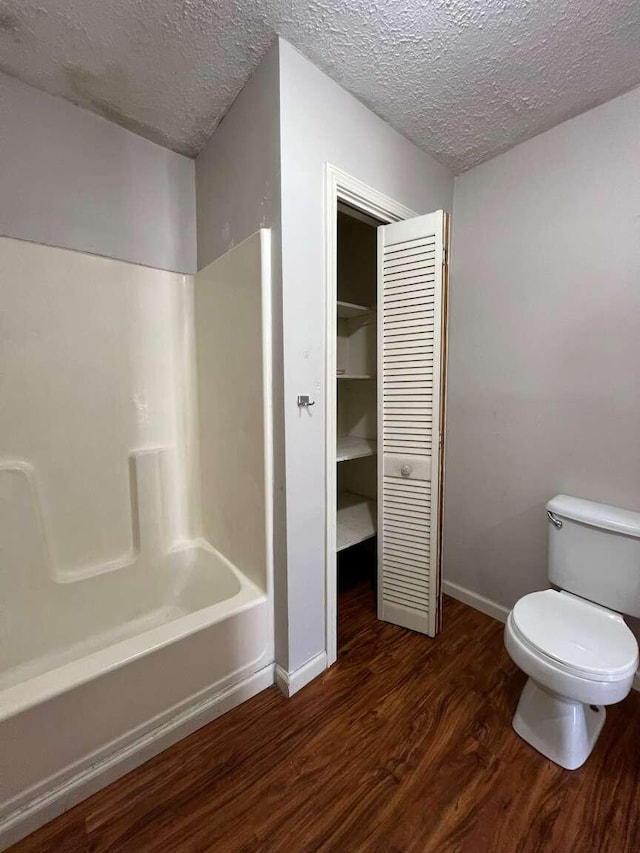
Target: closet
{"points": [[356, 361], [390, 381]]}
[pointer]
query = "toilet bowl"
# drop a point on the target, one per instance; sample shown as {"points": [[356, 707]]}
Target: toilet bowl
{"points": [[579, 658], [573, 642]]}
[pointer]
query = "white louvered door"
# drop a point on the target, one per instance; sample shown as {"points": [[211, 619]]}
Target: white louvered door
{"points": [[412, 280]]}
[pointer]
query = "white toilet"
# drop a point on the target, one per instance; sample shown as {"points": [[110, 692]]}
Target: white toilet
{"points": [[573, 644]]}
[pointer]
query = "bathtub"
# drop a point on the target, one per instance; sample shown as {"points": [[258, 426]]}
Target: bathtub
{"points": [[108, 671]]}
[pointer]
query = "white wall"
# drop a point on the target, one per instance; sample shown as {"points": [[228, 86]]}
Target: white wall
{"points": [[269, 151], [321, 122], [238, 170], [69, 178], [544, 394]]}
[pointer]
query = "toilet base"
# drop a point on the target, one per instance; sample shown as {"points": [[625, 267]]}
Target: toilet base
{"points": [[561, 729]]}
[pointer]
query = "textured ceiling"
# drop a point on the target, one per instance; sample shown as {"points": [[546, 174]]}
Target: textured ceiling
{"points": [[464, 79]]}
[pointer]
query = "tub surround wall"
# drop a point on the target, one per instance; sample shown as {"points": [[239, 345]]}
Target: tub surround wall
{"points": [[544, 345], [74, 180], [97, 364], [233, 393]]}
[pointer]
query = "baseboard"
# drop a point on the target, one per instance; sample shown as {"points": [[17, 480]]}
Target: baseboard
{"points": [[475, 600], [53, 803], [290, 682], [491, 608]]}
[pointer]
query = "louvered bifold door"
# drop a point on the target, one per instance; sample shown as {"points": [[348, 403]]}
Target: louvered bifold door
{"points": [[411, 275]]}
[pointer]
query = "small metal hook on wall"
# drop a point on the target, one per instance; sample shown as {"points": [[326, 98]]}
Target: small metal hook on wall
{"points": [[304, 402]]}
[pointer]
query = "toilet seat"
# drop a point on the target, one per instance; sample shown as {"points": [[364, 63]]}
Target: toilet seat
{"points": [[576, 636]]}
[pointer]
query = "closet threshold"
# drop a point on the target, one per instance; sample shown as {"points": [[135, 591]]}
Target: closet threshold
{"points": [[352, 447], [356, 520], [347, 310]]}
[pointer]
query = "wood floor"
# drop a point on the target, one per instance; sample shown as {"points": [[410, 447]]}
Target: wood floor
{"points": [[405, 745]]}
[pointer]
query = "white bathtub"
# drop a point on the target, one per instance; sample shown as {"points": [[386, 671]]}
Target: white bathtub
{"points": [[136, 417], [114, 668]]}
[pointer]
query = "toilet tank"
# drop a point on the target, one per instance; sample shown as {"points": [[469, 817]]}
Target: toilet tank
{"points": [[595, 553]]}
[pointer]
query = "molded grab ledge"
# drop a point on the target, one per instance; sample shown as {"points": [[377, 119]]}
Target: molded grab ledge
{"points": [[149, 522]]}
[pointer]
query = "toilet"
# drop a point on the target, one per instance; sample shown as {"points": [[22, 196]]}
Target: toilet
{"points": [[573, 642]]}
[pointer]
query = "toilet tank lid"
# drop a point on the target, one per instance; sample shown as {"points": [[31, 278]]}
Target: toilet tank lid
{"points": [[596, 514]]}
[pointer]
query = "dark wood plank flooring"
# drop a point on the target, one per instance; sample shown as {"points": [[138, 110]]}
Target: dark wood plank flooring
{"points": [[404, 745]]}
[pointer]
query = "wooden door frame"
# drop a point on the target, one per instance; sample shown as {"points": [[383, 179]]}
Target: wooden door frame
{"points": [[340, 187]]}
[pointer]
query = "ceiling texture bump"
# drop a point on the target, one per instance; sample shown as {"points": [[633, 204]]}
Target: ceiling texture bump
{"points": [[463, 79]]}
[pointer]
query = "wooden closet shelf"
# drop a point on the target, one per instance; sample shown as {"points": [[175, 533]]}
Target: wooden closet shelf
{"points": [[357, 517], [346, 310], [352, 447]]}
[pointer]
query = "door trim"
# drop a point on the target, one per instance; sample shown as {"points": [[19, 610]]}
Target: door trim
{"points": [[340, 186]]}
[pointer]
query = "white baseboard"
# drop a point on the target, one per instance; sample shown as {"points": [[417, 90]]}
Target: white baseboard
{"points": [[491, 608], [53, 803], [475, 600], [290, 682]]}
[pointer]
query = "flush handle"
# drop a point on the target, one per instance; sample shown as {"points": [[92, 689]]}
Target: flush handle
{"points": [[554, 520]]}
